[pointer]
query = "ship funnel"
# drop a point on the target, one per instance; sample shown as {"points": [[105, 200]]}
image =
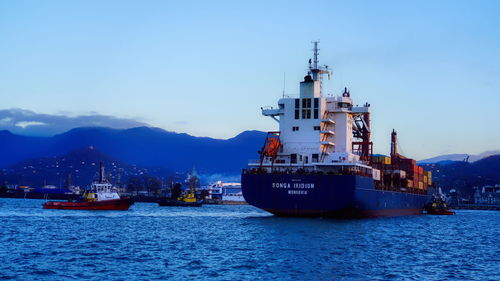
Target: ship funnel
{"points": [[394, 147], [101, 172]]}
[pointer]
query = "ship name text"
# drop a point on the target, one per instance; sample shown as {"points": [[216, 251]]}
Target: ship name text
{"points": [[295, 185]]}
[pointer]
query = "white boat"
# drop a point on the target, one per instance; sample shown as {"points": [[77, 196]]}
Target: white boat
{"points": [[226, 192]]}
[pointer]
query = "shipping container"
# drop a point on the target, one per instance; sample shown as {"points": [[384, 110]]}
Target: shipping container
{"points": [[420, 185], [381, 159], [410, 183], [400, 173], [408, 162], [376, 174], [420, 170], [415, 169], [425, 179]]}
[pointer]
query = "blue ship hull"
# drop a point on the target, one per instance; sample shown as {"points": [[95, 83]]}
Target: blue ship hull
{"points": [[327, 196]]}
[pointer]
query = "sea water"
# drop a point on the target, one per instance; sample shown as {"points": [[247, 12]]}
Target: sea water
{"points": [[216, 242]]}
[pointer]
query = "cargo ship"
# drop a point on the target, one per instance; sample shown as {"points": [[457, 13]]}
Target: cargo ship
{"points": [[320, 162], [102, 195]]}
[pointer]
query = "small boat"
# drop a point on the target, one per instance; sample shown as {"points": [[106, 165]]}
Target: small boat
{"points": [[440, 212], [438, 206], [101, 196], [188, 199]]}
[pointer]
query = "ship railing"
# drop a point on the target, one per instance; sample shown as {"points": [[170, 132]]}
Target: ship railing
{"points": [[287, 170]]}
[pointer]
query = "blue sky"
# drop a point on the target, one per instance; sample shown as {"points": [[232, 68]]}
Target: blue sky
{"points": [[430, 69]]}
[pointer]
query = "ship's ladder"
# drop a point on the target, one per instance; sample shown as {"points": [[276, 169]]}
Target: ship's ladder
{"points": [[325, 126]]}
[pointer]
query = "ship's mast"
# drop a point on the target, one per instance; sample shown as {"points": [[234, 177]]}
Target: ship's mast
{"points": [[316, 53], [315, 69]]}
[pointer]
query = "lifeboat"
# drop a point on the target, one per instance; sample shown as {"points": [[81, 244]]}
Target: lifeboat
{"points": [[271, 147]]}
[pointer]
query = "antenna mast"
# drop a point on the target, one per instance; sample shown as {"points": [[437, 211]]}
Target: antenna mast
{"points": [[316, 70], [284, 80], [316, 53]]}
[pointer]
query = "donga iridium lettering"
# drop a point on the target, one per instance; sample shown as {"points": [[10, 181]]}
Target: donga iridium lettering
{"points": [[297, 185]]}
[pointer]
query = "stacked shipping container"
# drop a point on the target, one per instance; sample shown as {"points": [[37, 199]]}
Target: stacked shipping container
{"points": [[402, 172]]}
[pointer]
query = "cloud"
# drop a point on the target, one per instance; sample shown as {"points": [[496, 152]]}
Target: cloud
{"points": [[26, 122]]}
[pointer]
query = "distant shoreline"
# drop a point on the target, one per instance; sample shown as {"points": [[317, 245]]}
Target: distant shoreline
{"points": [[136, 198], [477, 207]]}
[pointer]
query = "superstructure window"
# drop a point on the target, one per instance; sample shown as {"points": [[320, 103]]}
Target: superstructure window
{"points": [[297, 108], [295, 128], [316, 105], [314, 157], [316, 128], [345, 105], [306, 108], [293, 158], [306, 114]]}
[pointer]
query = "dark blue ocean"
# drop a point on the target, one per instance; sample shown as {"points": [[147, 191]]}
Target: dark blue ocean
{"points": [[241, 243]]}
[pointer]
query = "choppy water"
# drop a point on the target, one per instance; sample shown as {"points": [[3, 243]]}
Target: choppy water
{"points": [[241, 243]]}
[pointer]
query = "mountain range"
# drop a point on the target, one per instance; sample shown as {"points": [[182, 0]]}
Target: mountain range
{"points": [[449, 158], [142, 146], [156, 152], [463, 176], [82, 165]]}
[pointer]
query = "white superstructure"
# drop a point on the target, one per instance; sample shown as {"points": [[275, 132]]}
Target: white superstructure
{"points": [[101, 190], [318, 131], [104, 191], [226, 191]]}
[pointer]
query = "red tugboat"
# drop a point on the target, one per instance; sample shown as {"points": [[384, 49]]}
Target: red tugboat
{"points": [[101, 196]]}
